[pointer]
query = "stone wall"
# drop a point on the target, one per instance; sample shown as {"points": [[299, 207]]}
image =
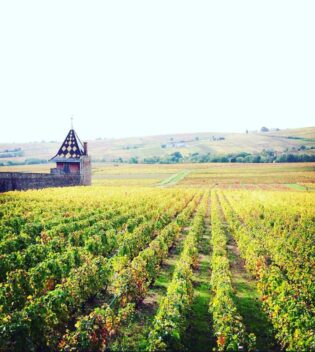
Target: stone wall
{"points": [[10, 181]]}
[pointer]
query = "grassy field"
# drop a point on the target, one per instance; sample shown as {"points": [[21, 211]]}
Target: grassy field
{"points": [[294, 176]]}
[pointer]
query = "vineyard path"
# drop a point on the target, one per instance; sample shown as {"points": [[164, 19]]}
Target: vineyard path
{"points": [[171, 181]]}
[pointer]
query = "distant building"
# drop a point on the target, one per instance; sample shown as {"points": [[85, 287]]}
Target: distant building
{"points": [[180, 144], [214, 138]]}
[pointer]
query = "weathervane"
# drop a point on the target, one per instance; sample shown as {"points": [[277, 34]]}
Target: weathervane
{"points": [[71, 118]]}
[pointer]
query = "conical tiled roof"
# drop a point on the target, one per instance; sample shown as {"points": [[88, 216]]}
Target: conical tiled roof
{"points": [[71, 148]]}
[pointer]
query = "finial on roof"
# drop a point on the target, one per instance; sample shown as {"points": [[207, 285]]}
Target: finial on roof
{"points": [[71, 118]]}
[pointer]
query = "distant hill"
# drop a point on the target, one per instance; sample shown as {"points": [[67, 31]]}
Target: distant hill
{"points": [[300, 140]]}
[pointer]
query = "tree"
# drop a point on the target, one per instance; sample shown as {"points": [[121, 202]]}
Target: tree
{"points": [[176, 157], [256, 159], [264, 129], [133, 160]]}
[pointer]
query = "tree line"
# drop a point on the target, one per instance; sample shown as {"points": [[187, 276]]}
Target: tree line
{"points": [[243, 157]]}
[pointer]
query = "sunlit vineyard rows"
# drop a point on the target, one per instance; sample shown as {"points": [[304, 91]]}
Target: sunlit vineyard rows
{"points": [[157, 269]]}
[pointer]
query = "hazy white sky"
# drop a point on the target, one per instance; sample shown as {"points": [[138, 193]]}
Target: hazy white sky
{"points": [[130, 68]]}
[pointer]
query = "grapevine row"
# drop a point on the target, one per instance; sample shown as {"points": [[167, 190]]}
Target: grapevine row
{"points": [[57, 312], [94, 332], [289, 308], [228, 324], [170, 323]]}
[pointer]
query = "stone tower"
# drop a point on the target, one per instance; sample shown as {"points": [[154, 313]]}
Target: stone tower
{"points": [[72, 159]]}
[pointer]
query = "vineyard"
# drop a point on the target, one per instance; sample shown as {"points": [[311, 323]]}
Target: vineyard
{"points": [[157, 269]]}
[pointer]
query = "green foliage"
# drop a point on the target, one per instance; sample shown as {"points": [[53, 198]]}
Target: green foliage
{"points": [[94, 331], [62, 255], [130, 279], [278, 248]]}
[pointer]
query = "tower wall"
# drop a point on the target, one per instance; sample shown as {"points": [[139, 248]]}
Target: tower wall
{"points": [[86, 171], [73, 167]]}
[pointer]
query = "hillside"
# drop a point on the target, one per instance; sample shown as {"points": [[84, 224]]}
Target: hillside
{"points": [[288, 140]]}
